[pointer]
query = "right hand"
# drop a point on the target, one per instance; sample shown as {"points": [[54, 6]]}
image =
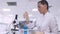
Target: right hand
{"points": [[26, 16]]}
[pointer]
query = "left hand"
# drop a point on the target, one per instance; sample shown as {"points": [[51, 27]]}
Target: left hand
{"points": [[41, 33], [38, 32]]}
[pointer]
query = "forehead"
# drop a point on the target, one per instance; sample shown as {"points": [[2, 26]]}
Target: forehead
{"points": [[39, 4]]}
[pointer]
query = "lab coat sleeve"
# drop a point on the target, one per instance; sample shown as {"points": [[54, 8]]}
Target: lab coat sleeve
{"points": [[31, 25], [52, 27]]}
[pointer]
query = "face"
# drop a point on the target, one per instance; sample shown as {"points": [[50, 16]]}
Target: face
{"points": [[41, 7]]}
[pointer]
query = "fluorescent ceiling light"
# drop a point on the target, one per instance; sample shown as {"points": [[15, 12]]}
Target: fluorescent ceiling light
{"points": [[7, 10], [10, 15], [35, 9]]}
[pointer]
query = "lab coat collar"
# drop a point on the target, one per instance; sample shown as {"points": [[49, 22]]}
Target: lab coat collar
{"points": [[47, 13]]}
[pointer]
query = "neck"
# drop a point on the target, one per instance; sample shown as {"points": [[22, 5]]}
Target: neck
{"points": [[44, 12]]}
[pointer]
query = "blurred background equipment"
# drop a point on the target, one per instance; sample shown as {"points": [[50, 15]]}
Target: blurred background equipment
{"points": [[15, 24]]}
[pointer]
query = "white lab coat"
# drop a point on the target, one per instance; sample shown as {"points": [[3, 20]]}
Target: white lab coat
{"points": [[46, 23]]}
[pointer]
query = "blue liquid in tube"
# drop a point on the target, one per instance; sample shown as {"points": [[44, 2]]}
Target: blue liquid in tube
{"points": [[25, 29]]}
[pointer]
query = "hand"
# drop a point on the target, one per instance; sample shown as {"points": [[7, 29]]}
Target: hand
{"points": [[38, 32], [41, 32], [26, 16]]}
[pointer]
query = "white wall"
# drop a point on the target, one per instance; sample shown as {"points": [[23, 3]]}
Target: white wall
{"points": [[25, 5]]}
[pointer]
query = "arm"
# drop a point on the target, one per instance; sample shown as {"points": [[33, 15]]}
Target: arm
{"points": [[53, 27], [30, 25], [26, 16]]}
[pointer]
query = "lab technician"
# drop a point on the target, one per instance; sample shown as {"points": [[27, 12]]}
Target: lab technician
{"points": [[47, 23]]}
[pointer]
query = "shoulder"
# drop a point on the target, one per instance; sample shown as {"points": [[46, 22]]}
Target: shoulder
{"points": [[52, 18], [51, 15]]}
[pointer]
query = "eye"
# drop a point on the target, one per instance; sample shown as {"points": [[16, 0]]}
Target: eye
{"points": [[38, 6]]}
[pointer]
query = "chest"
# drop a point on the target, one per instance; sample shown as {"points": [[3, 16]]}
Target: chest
{"points": [[43, 22]]}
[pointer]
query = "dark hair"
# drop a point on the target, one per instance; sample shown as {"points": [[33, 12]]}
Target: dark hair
{"points": [[44, 2]]}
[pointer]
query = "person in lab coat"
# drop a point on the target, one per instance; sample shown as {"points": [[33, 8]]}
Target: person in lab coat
{"points": [[47, 23]]}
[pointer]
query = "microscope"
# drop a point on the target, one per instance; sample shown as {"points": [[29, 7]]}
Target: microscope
{"points": [[15, 24], [20, 25]]}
